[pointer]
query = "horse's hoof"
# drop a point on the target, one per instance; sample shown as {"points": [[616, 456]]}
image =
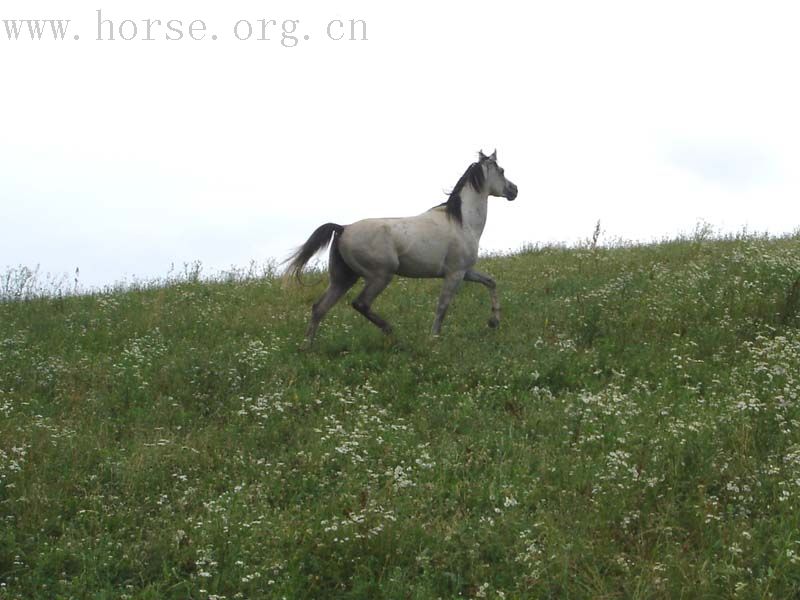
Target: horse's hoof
{"points": [[494, 322]]}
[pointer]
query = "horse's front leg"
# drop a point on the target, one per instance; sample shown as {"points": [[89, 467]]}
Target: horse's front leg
{"points": [[477, 277], [449, 289]]}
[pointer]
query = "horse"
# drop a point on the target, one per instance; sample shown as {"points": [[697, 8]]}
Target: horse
{"points": [[441, 242]]}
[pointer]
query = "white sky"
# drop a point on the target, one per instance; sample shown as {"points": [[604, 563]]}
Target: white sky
{"points": [[121, 158]]}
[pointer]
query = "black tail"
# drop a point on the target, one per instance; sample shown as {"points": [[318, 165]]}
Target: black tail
{"points": [[319, 240]]}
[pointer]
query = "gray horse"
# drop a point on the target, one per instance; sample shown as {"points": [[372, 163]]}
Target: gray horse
{"points": [[441, 242]]}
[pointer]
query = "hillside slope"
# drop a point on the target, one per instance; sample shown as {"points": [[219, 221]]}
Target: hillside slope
{"points": [[632, 430]]}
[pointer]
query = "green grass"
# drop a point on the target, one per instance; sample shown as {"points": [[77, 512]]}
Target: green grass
{"points": [[632, 430]]}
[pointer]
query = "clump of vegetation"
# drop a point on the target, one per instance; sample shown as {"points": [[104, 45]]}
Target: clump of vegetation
{"points": [[632, 430]]}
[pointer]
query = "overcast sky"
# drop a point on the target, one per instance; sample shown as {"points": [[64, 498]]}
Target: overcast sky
{"points": [[123, 157]]}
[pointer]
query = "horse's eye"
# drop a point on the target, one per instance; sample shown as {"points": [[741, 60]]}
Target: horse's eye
{"points": [[502, 171]]}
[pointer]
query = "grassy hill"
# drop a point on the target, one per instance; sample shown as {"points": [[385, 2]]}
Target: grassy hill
{"points": [[632, 430]]}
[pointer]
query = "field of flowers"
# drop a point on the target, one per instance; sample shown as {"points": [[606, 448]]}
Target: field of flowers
{"points": [[632, 430]]}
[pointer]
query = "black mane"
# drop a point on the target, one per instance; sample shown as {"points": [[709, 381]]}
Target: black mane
{"points": [[474, 176]]}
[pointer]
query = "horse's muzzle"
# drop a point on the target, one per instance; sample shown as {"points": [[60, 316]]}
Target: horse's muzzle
{"points": [[510, 192]]}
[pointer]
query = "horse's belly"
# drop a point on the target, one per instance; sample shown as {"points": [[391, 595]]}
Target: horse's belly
{"points": [[413, 265], [432, 258]]}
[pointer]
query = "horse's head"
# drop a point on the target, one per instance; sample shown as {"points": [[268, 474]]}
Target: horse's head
{"points": [[496, 182]]}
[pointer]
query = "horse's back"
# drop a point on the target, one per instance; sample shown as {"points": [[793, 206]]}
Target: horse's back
{"points": [[420, 246]]}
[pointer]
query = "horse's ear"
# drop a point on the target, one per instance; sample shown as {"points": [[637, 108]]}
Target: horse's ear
{"points": [[481, 156], [493, 156]]}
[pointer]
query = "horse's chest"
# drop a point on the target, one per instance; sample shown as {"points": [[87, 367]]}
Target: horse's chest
{"points": [[461, 254]]}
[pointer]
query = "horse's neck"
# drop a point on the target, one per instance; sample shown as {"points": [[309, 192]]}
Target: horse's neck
{"points": [[473, 210]]}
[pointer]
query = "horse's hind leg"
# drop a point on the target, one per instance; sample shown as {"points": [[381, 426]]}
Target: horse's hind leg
{"points": [[342, 278], [363, 302], [477, 277], [335, 290]]}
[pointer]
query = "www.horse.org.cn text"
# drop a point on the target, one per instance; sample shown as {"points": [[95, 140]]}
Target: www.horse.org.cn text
{"points": [[286, 32]]}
